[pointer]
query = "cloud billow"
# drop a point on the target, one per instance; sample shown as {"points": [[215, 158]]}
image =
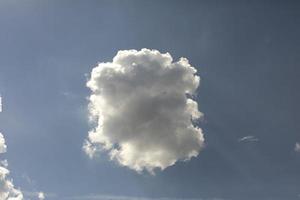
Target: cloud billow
{"points": [[143, 113], [7, 189]]}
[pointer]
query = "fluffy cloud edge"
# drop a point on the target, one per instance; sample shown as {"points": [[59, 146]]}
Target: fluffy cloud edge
{"points": [[7, 188]]}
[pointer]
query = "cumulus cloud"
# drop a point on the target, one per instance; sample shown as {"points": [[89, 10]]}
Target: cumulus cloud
{"points": [[142, 107], [297, 147], [249, 138], [7, 189]]}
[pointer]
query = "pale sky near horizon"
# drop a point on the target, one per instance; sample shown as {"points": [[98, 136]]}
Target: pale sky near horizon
{"points": [[246, 53]]}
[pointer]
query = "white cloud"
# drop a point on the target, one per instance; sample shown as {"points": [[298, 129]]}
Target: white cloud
{"points": [[249, 138], [7, 189], [33, 195], [41, 196], [297, 147], [143, 117], [0, 104], [3, 146]]}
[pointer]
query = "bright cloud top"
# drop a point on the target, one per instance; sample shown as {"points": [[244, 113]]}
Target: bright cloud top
{"points": [[2, 144], [7, 189], [142, 109], [41, 196]]}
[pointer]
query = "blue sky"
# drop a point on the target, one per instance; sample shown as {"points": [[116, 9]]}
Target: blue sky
{"points": [[246, 53]]}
